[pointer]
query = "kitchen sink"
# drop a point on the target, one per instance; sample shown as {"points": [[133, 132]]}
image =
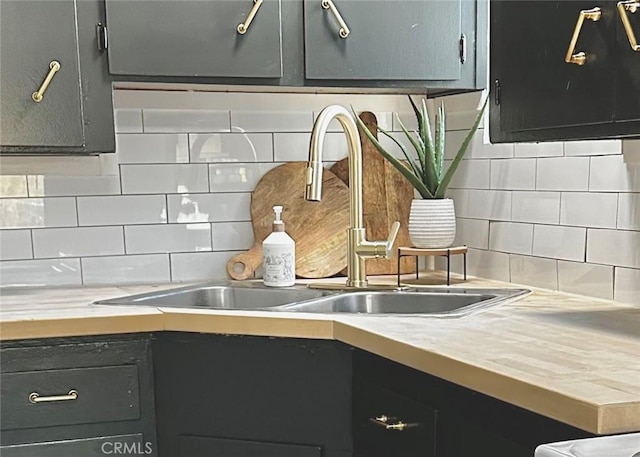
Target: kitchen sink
{"points": [[432, 301], [220, 296]]}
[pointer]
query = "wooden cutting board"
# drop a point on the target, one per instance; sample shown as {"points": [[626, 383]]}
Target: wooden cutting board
{"points": [[318, 228], [386, 198]]}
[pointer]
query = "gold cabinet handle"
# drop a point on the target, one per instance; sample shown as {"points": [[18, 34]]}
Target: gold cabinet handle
{"points": [[392, 423], [244, 26], [34, 397], [632, 6], [344, 30], [580, 58], [54, 67]]}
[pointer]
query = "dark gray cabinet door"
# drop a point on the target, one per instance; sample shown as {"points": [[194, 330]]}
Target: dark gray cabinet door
{"points": [[89, 447], [33, 34], [387, 40], [627, 86], [194, 38], [203, 446]]}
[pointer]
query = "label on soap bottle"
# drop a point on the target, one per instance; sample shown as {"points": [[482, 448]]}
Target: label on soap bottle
{"points": [[278, 265]]}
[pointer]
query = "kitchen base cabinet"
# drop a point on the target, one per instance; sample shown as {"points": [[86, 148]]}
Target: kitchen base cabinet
{"points": [[198, 446], [251, 389], [77, 396]]}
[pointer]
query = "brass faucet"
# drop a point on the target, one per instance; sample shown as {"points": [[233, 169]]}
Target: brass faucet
{"points": [[358, 248]]}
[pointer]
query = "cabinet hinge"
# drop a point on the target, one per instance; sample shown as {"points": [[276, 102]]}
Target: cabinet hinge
{"points": [[496, 92], [463, 48], [102, 39]]}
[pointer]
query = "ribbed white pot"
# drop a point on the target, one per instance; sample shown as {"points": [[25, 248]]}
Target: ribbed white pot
{"points": [[432, 223]]}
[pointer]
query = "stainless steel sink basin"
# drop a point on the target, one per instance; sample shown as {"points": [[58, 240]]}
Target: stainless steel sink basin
{"points": [[220, 296], [440, 302]]}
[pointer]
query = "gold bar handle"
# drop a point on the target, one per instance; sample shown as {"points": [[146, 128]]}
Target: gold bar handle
{"points": [[244, 26], [580, 58], [344, 29], [392, 423], [54, 67], [632, 6], [34, 397]]}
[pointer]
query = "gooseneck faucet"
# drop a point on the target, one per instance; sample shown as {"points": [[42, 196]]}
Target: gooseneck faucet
{"points": [[358, 248]]}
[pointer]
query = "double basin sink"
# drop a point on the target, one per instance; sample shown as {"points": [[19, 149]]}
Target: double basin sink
{"points": [[437, 302]]}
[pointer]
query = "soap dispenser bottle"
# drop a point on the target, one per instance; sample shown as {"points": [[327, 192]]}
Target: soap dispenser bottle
{"points": [[278, 255]]}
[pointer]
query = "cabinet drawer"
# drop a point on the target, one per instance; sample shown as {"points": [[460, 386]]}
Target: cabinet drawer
{"points": [[88, 447], [104, 394], [372, 404]]}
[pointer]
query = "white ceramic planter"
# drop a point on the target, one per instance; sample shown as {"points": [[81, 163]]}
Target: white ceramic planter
{"points": [[432, 223]]}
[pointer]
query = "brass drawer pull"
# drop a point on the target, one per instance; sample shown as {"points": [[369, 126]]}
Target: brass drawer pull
{"points": [[34, 397], [54, 67], [392, 423], [344, 29], [244, 26], [580, 58], [632, 6]]}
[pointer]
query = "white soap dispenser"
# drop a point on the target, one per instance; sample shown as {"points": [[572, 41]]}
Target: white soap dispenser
{"points": [[278, 255]]}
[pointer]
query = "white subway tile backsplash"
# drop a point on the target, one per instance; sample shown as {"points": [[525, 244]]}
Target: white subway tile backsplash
{"points": [[231, 147], [563, 173], [223, 207], [534, 271], [592, 147], [61, 186], [15, 244], [629, 211], [122, 210], [201, 266], [589, 209], [511, 237], [52, 272], [627, 285], [238, 177], [473, 233], [586, 279], [461, 120], [482, 204], [477, 148], [271, 121], [177, 120], [126, 269], [161, 179], [550, 149], [152, 148], [471, 174], [13, 186], [385, 121], [407, 118], [488, 264], [517, 174], [537, 207], [77, 242], [613, 247], [128, 120], [288, 147], [559, 242], [613, 174], [38, 212], [231, 236], [150, 239]]}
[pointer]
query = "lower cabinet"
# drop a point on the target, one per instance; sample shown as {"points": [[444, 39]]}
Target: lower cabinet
{"points": [[80, 397], [199, 446], [252, 396]]}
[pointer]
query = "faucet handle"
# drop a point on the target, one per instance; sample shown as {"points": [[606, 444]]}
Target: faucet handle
{"points": [[395, 228]]}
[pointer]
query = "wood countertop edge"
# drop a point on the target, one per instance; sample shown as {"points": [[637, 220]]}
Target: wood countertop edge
{"points": [[578, 413], [81, 326]]}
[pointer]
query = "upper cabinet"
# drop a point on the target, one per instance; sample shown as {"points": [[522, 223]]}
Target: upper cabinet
{"points": [[437, 44], [56, 92], [564, 70], [409, 40], [221, 38]]}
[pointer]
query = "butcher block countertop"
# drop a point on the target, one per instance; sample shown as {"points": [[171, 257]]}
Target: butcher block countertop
{"points": [[568, 357]]}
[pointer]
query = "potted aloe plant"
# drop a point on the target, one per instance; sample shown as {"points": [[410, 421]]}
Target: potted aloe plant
{"points": [[432, 221]]}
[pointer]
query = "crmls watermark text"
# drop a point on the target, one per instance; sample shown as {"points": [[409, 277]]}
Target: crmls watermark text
{"points": [[126, 448]]}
